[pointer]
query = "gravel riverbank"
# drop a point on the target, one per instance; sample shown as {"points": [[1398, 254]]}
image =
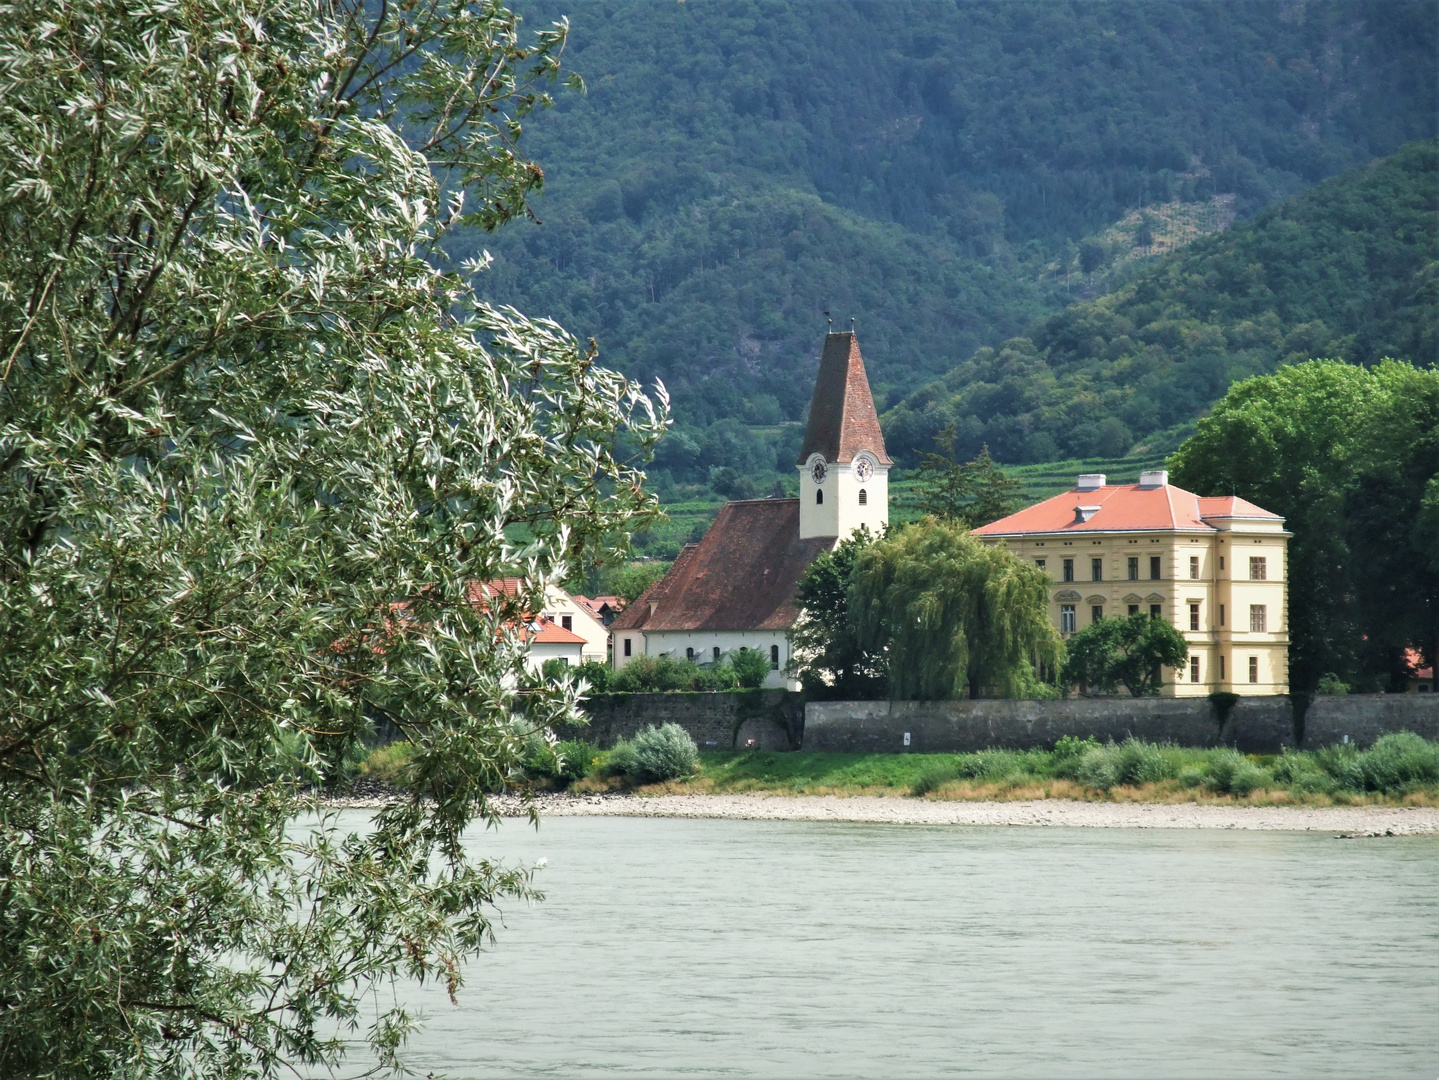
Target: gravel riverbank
{"points": [[1347, 820]]}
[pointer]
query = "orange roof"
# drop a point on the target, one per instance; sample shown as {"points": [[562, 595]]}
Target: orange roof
{"points": [[842, 420], [1124, 508], [595, 605], [1414, 658], [544, 631]]}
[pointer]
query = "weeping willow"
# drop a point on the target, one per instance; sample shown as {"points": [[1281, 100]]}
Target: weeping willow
{"points": [[953, 617]]}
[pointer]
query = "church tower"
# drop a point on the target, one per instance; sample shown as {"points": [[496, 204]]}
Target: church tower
{"points": [[843, 469]]}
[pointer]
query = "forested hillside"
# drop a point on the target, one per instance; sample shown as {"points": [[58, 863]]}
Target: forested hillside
{"points": [[949, 174], [1348, 270]]}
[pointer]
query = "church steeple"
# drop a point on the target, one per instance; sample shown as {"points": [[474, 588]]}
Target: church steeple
{"points": [[844, 470]]}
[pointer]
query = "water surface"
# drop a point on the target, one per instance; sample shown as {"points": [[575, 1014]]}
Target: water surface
{"points": [[791, 949]]}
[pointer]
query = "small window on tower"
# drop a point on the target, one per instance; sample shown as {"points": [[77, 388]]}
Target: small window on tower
{"points": [[689, 654], [863, 497], [819, 498], [716, 654]]}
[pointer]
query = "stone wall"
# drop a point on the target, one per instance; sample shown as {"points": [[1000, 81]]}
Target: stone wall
{"points": [[1255, 725], [1365, 717], [776, 720], [761, 719]]}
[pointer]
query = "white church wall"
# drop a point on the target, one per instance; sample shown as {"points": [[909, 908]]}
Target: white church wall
{"points": [[700, 646]]}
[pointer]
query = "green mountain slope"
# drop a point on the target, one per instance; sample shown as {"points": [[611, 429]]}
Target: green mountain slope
{"points": [[1349, 269], [933, 169]]}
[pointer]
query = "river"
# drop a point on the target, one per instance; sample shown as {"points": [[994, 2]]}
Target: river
{"points": [[796, 949]]}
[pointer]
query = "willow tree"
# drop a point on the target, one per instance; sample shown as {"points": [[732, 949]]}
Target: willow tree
{"points": [[953, 616], [255, 438]]}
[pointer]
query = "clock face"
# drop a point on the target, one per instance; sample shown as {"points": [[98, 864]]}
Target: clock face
{"points": [[863, 470], [818, 472]]}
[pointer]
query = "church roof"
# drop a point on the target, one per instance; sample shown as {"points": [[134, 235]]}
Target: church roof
{"points": [[741, 576], [842, 420]]}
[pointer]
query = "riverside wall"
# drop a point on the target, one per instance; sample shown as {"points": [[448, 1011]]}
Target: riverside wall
{"points": [[745, 719], [778, 720], [1255, 725]]}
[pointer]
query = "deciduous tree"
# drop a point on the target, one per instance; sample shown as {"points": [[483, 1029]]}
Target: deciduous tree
{"points": [[1130, 652], [952, 616], [255, 440]]}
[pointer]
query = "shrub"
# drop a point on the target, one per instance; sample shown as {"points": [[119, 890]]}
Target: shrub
{"points": [[1192, 776], [1140, 763], [1399, 761], [934, 776], [1223, 764], [989, 764], [1316, 783], [1291, 767], [573, 760], [596, 675], [1330, 683], [1342, 763], [386, 763], [1067, 753], [664, 674], [1246, 778], [654, 755], [751, 668], [1099, 767]]}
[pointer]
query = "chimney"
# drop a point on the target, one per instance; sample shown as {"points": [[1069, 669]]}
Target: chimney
{"points": [[1156, 479], [1091, 481]]}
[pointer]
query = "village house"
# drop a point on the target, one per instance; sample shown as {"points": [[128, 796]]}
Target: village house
{"points": [[557, 633], [734, 590], [1213, 566]]}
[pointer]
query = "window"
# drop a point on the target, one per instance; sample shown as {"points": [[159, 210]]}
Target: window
{"points": [[1221, 669], [1096, 613], [774, 657], [1221, 562], [1194, 616], [1066, 618], [715, 654], [1254, 669], [1096, 569], [1258, 618], [1068, 569], [1134, 568], [1194, 669], [819, 498], [1154, 611], [1258, 568], [1194, 567], [1221, 614], [1039, 564], [689, 654], [1134, 609], [1154, 568], [567, 621], [627, 646], [863, 497]]}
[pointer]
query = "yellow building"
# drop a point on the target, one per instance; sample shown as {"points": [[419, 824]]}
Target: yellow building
{"points": [[1213, 566]]}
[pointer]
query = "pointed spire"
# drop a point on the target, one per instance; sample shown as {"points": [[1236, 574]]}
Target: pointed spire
{"points": [[842, 418]]}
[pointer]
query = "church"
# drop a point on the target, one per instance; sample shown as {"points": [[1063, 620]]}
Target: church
{"points": [[735, 589]]}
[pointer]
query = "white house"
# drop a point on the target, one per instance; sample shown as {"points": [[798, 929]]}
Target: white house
{"points": [[735, 588]]}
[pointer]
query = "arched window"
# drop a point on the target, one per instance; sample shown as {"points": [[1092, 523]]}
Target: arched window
{"points": [[819, 497], [689, 654], [774, 657], [863, 497]]}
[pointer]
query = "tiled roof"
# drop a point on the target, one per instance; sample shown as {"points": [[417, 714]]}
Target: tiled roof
{"points": [[544, 631], [1124, 508], [1414, 658], [842, 420], [741, 576], [595, 605], [1231, 506]]}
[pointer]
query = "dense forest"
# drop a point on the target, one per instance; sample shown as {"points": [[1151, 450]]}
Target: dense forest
{"points": [[948, 174], [1348, 270]]}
